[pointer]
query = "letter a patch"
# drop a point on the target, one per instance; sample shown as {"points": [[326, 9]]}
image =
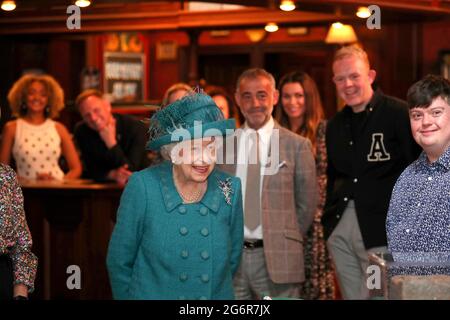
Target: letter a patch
{"points": [[377, 150]]}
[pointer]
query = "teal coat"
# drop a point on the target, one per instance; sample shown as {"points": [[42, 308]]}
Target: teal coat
{"points": [[163, 249]]}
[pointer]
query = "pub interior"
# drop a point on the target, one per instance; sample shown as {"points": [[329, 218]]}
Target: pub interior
{"points": [[134, 50]]}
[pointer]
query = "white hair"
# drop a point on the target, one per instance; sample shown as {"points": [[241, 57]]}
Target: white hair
{"points": [[254, 73], [166, 150]]}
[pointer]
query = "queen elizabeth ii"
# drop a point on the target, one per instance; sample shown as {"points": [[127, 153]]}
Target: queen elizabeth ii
{"points": [[179, 229]]}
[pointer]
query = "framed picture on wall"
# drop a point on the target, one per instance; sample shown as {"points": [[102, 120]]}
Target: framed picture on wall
{"points": [[166, 50], [445, 64], [124, 76]]}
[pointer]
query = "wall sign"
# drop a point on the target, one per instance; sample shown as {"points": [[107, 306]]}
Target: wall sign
{"points": [[124, 78], [445, 64]]}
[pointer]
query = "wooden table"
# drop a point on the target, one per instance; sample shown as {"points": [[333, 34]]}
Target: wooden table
{"points": [[71, 224]]}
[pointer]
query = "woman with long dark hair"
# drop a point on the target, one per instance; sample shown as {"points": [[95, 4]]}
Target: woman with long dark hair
{"points": [[300, 110]]}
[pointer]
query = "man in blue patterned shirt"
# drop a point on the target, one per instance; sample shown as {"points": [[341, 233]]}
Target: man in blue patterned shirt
{"points": [[418, 221]]}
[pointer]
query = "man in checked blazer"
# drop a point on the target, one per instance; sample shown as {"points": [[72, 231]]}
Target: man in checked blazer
{"points": [[285, 193]]}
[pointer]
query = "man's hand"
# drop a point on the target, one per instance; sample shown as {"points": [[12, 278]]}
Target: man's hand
{"points": [[108, 133], [120, 175]]}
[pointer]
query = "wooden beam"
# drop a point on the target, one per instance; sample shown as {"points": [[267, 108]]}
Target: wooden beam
{"points": [[427, 6], [168, 16], [179, 20], [250, 17]]}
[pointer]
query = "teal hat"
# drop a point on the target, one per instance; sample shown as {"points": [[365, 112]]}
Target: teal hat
{"points": [[192, 117]]}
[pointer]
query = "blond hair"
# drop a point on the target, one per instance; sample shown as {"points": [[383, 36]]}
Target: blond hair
{"points": [[86, 94], [17, 95], [174, 88], [352, 50]]}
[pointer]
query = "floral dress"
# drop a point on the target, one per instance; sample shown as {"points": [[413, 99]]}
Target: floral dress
{"points": [[15, 237], [319, 274]]}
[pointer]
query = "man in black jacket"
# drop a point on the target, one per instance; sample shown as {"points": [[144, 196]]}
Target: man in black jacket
{"points": [[111, 145], [369, 144]]}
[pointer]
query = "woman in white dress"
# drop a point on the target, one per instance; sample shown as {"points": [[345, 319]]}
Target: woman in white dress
{"points": [[35, 140]]}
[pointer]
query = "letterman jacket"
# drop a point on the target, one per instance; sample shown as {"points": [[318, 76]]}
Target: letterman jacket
{"points": [[365, 168]]}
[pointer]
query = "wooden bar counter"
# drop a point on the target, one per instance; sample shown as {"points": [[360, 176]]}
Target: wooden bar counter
{"points": [[71, 224]]}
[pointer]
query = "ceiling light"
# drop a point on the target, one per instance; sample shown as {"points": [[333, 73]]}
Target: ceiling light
{"points": [[83, 3], [287, 5], [337, 25], [8, 5], [363, 12], [271, 27], [255, 35], [341, 33]]}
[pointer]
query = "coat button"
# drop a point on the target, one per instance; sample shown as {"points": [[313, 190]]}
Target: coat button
{"points": [[203, 211], [204, 232], [338, 216], [183, 231], [184, 254], [205, 278], [183, 277], [182, 210], [350, 143], [204, 255], [355, 180], [345, 199]]}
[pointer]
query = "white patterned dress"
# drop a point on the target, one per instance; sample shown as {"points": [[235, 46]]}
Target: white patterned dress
{"points": [[37, 149]]}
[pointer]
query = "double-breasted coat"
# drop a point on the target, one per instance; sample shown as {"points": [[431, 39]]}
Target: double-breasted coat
{"points": [[163, 249]]}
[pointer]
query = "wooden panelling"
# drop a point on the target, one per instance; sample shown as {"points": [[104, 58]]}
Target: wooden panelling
{"points": [[71, 224]]}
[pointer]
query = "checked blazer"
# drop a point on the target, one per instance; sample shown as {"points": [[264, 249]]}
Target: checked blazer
{"points": [[288, 202]]}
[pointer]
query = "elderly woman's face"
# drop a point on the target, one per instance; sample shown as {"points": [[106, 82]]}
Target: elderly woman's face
{"points": [[37, 97], [195, 158]]}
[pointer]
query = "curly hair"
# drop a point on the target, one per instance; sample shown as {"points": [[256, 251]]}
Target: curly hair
{"points": [[17, 95], [314, 110]]}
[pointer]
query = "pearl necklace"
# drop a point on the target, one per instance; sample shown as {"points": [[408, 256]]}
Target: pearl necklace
{"points": [[187, 198]]}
